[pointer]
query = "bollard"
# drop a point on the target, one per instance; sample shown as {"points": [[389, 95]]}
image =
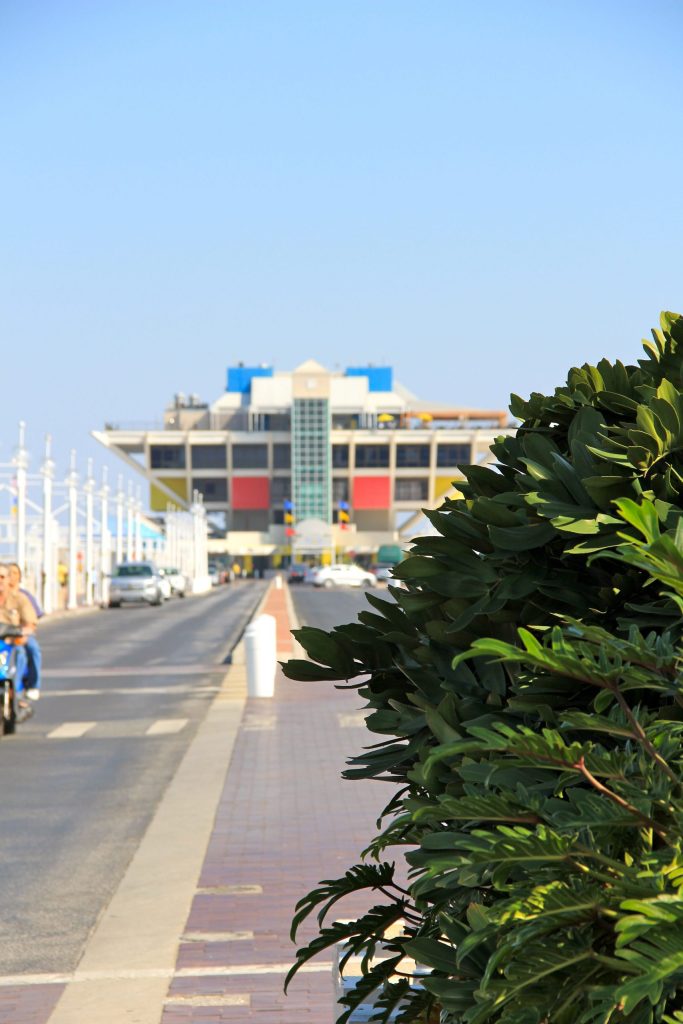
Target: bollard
{"points": [[278, 582], [261, 655]]}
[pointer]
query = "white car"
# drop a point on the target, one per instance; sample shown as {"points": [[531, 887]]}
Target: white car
{"points": [[342, 576], [176, 580]]}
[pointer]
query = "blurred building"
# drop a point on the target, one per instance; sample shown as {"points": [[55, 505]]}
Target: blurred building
{"points": [[303, 461]]}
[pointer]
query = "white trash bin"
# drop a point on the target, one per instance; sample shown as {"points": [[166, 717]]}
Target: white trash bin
{"points": [[260, 646]]}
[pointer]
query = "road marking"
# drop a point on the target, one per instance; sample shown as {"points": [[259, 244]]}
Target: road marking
{"points": [[166, 726], [85, 672], [230, 890], [237, 999], [259, 723], [71, 730], [130, 691], [217, 936], [353, 720], [135, 974]]}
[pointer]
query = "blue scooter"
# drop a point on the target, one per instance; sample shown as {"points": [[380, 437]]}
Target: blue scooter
{"points": [[11, 714]]}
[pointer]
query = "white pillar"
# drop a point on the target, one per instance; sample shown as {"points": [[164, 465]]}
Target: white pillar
{"points": [[129, 523], [72, 483], [105, 541], [89, 546], [119, 521], [138, 526], [21, 463], [47, 572]]}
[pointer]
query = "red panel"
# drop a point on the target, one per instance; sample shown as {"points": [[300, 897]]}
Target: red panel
{"points": [[250, 492], [371, 492]]}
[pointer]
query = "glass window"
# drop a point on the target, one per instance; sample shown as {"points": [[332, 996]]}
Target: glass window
{"points": [[212, 488], [280, 489], [208, 456], [282, 456], [410, 489], [340, 456], [412, 456], [250, 456], [372, 456], [449, 455], [340, 489], [167, 456], [250, 519]]}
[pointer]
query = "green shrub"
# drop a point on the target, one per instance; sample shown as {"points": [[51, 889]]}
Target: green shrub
{"points": [[525, 686]]}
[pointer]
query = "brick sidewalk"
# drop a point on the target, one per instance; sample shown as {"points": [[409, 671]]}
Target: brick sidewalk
{"points": [[285, 821]]}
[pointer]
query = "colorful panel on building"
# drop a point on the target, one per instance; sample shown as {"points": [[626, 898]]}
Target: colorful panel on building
{"points": [[371, 492], [159, 500], [445, 485], [250, 492]]}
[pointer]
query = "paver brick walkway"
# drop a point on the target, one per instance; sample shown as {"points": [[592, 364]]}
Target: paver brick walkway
{"points": [[286, 820]]}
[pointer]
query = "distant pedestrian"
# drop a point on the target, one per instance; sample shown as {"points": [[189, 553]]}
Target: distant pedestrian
{"points": [[63, 580]]}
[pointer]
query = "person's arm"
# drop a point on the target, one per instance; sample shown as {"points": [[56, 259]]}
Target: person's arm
{"points": [[27, 616]]}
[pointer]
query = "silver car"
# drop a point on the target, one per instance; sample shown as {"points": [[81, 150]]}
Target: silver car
{"points": [[135, 582]]}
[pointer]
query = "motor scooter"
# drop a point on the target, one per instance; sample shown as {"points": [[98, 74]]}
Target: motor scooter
{"points": [[11, 714]]}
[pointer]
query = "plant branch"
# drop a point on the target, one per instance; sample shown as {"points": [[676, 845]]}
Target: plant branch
{"points": [[580, 766]]}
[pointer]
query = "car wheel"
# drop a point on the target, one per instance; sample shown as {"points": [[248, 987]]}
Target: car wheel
{"points": [[114, 604], [328, 584], [368, 583]]}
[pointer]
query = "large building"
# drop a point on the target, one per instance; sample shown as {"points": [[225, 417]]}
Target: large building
{"points": [[305, 461]]}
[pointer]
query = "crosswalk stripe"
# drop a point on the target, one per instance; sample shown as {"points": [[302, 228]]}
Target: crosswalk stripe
{"points": [[70, 730], [165, 726]]}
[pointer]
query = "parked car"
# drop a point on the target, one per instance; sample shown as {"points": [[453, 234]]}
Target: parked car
{"points": [[166, 588], [383, 573], [135, 581], [297, 572], [214, 574], [342, 576], [177, 581]]}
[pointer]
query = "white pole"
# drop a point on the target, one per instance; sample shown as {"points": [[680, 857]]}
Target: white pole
{"points": [[21, 463], [72, 482], [105, 541], [138, 525], [48, 471], [89, 548], [129, 523], [119, 521]]}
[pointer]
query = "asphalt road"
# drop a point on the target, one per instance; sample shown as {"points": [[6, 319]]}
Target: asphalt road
{"points": [[123, 693], [317, 606]]}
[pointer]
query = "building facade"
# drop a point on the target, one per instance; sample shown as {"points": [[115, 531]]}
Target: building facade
{"points": [[307, 461]]}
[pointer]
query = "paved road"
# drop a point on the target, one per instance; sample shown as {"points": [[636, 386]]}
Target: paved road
{"points": [[124, 692], [326, 609]]}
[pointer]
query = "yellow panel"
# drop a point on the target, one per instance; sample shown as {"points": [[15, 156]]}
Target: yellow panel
{"points": [[443, 485], [159, 501]]}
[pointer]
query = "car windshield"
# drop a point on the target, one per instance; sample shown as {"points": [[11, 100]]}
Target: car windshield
{"points": [[134, 570]]}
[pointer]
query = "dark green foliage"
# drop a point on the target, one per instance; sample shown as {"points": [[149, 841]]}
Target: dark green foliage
{"points": [[526, 691]]}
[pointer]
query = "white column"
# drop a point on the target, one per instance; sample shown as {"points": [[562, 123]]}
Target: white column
{"points": [[89, 546], [21, 463], [105, 541], [47, 589], [72, 483], [130, 502], [138, 525], [119, 520]]}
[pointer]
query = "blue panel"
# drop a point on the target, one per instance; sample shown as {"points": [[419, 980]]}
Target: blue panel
{"points": [[380, 378], [240, 377]]}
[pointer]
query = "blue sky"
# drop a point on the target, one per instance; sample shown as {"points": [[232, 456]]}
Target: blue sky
{"points": [[481, 195]]}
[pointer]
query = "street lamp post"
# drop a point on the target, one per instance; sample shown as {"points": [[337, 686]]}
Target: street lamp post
{"points": [[48, 581], [21, 465], [72, 484], [89, 548], [105, 541]]}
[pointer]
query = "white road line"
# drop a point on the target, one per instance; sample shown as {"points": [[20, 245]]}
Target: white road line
{"points": [[129, 691], [236, 999], [134, 974], [70, 730], [84, 671], [165, 726]]}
